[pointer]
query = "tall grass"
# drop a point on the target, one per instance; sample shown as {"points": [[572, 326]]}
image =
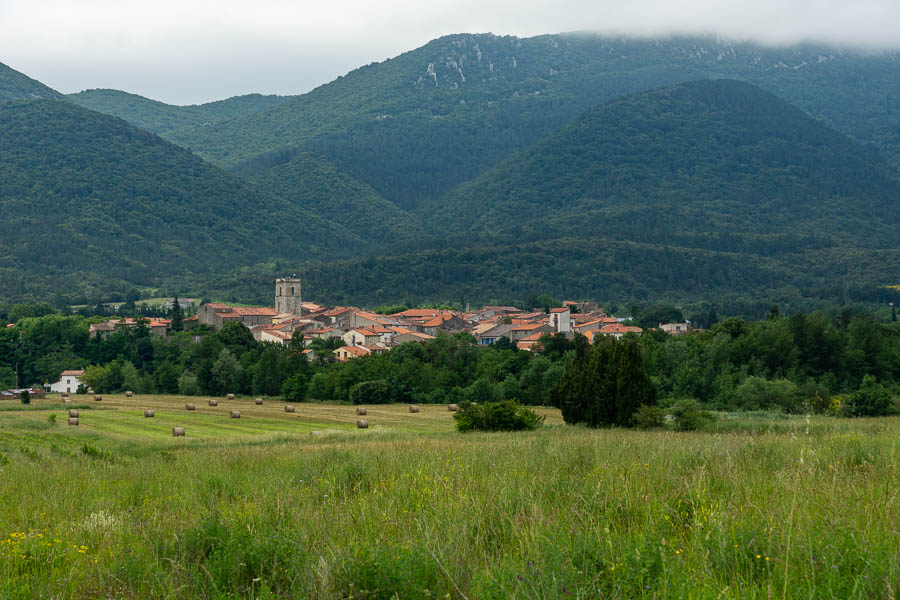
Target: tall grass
{"points": [[564, 512]]}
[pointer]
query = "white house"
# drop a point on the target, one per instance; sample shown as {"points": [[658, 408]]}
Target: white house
{"points": [[561, 319], [68, 382]]}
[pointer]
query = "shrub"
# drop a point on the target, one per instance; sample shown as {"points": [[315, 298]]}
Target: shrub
{"points": [[872, 399], [649, 417], [51, 418], [370, 392], [507, 415], [758, 393], [689, 415], [25, 397]]}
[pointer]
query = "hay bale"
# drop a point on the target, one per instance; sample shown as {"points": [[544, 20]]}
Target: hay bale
{"points": [[452, 407], [148, 414], [98, 398], [65, 394], [360, 410], [413, 409], [259, 401], [178, 432], [73, 413], [67, 401], [288, 408], [129, 394], [362, 424], [235, 414], [190, 407], [73, 421], [229, 397], [213, 402]]}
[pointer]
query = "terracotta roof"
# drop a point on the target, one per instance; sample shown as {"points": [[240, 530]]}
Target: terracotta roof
{"points": [[365, 332], [217, 306], [355, 350], [74, 373], [102, 327], [248, 311], [559, 310]]}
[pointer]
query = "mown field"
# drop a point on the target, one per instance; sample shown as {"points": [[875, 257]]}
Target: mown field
{"points": [[257, 507]]}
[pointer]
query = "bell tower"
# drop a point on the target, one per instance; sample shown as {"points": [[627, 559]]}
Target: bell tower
{"points": [[287, 296]]}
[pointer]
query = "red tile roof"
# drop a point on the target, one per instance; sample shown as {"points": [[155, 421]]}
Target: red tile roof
{"points": [[74, 373]]}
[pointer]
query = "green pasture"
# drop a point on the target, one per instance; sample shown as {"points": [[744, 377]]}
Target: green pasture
{"points": [[257, 507]]}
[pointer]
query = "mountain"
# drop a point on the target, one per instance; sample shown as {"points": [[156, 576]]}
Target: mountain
{"points": [[706, 189], [158, 117], [682, 165], [92, 204], [16, 86], [415, 126], [316, 185]]}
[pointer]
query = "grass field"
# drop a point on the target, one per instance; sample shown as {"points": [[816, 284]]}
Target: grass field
{"points": [[257, 507]]}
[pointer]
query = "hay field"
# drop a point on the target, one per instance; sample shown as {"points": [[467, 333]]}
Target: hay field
{"points": [[770, 507]]}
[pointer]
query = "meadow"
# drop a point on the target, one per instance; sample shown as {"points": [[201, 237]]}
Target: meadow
{"points": [[761, 506]]}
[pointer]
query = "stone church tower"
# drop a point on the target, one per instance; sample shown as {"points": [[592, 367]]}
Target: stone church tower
{"points": [[287, 296]]}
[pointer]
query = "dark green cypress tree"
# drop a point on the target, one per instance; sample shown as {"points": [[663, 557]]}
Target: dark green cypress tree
{"points": [[177, 316], [633, 386]]}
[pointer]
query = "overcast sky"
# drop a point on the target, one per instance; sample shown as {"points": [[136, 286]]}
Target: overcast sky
{"points": [[189, 51]]}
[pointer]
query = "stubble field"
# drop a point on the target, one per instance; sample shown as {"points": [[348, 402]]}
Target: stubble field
{"points": [[259, 507]]}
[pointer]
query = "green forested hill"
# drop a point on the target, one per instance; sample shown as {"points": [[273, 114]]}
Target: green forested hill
{"points": [[161, 118], [315, 184], [681, 164], [90, 202], [415, 126], [16, 86]]}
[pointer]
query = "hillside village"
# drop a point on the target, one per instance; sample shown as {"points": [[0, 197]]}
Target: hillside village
{"points": [[364, 332]]}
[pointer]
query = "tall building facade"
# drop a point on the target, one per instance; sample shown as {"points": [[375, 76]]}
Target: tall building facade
{"points": [[287, 296]]}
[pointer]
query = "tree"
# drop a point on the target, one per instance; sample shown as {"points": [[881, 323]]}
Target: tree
{"points": [[167, 378], [370, 392], [226, 371], [266, 374], [177, 316], [872, 399], [294, 388], [604, 384], [25, 397]]}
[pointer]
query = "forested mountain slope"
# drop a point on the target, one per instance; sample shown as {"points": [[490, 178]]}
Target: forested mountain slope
{"points": [[17, 86], [315, 184], [161, 118], [682, 165], [415, 126], [90, 203]]}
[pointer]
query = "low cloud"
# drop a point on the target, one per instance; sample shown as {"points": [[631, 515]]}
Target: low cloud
{"points": [[191, 51]]}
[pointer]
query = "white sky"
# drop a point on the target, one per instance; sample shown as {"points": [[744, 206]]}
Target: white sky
{"points": [[187, 51]]}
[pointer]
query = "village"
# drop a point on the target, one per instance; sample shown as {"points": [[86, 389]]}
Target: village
{"points": [[364, 332]]}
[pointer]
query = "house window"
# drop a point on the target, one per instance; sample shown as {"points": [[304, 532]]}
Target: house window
{"points": [[292, 291]]}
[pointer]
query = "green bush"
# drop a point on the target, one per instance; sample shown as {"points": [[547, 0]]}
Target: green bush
{"points": [[506, 415], [758, 393], [25, 397], [370, 392], [689, 415], [649, 417], [872, 399]]}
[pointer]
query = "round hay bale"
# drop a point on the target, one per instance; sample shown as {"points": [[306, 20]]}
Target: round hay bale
{"points": [[67, 401], [259, 401], [213, 402], [360, 410], [98, 398], [73, 413], [65, 394], [73, 421], [148, 414], [235, 414], [129, 394], [452, 407], [413, 409], [362, 424], [289, 408], [178, 432], [190, 407], [229, 397]]}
